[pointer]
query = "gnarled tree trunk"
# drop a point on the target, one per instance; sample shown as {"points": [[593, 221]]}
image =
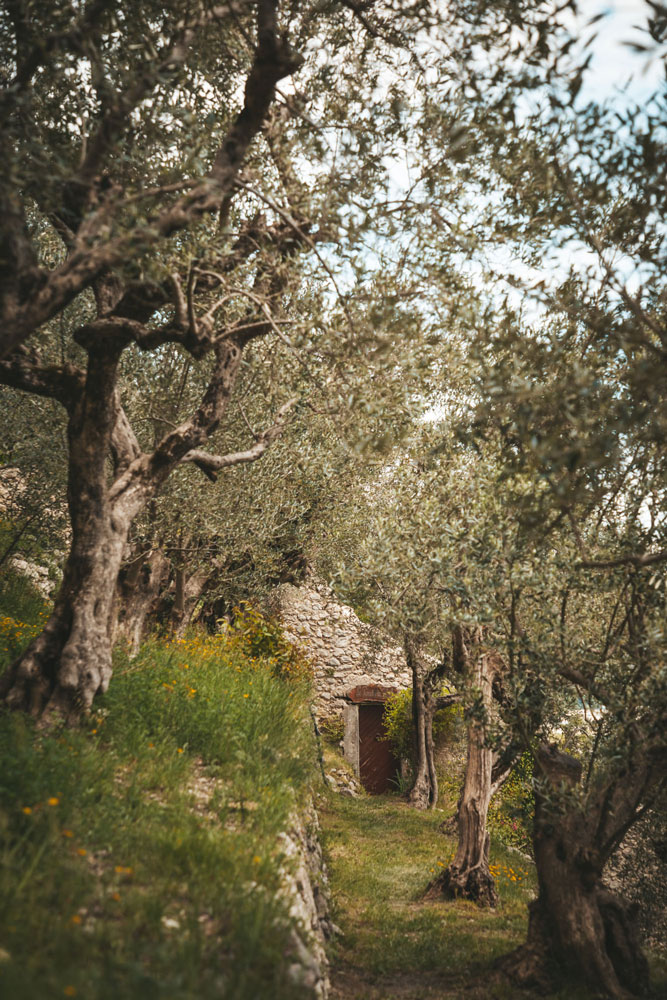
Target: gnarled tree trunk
{"points": [[577, 925], [70, 661], [469, 875]]}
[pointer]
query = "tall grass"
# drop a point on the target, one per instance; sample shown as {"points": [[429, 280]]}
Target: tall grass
{"points": [[139, 854]]}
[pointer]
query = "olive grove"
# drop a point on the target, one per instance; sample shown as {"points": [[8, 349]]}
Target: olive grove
{"points": [[383, 273]]}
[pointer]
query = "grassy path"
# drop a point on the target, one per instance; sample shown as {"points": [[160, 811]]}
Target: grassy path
{"points": [[395, 946], [381, 854]]}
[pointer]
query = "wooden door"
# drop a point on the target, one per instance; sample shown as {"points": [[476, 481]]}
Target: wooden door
{"points": [[377, 763]]}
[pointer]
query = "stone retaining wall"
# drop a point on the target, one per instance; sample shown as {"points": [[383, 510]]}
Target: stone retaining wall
{"points": [[38, 575], [306, 886], [345, 651]]}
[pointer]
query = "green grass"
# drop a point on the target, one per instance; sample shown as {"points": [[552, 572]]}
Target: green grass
{"points": [[381, 855], [22, 613], [138, 854]]}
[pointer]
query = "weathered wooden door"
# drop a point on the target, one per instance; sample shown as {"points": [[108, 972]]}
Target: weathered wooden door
{"points": [[377, 763]]}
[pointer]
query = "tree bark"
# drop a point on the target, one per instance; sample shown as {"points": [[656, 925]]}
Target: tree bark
{"points": [[140, 585], [70, 661], [577, 926], [425, 702], [469, 875]]}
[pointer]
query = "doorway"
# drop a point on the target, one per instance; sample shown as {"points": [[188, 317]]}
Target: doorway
{"points": [[377, 764]]}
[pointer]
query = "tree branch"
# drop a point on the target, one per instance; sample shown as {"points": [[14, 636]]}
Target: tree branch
{"points": [[645, 560], [211, 465], [117, 110], [124, 445], [273, 59], [445, 700], [579, 679], [23, 370]]}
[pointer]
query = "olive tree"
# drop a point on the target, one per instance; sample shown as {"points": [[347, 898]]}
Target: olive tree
{"points": [[164, 179], [427, 554], [576, 395]]}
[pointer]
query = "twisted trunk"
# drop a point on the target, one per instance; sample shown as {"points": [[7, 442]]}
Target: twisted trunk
{"points": [[469, 875], [70, 661], [577, 925]]}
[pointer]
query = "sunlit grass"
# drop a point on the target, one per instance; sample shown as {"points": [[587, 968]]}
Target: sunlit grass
{"points": [[139, 854], [383, 854]]}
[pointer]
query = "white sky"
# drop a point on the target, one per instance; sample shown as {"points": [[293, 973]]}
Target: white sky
{"points": [[613, 63]]}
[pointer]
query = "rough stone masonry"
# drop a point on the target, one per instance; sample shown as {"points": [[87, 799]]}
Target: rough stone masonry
{"points": [[344, 651]]}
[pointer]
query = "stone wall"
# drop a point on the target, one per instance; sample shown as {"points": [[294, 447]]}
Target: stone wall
{"points": [[306, 887], [344, 651], [39, 576]]}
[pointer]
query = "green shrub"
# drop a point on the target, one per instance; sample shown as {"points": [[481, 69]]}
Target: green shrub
{"points": [[397, 723], [261, 637], [332, 729], [512, 809]]}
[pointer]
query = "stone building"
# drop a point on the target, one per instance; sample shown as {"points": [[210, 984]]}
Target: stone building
{"points": [[356, 669], [345, 652]]}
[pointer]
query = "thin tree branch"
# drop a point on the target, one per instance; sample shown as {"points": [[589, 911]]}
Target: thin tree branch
{"points": [[648, 559]]}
